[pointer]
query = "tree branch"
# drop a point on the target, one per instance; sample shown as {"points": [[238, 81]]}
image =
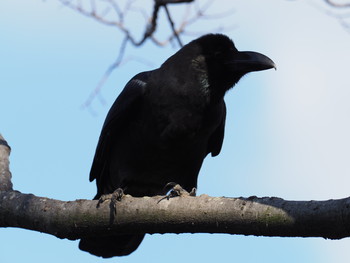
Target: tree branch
{"points": [[5, 175], [267, 216]]}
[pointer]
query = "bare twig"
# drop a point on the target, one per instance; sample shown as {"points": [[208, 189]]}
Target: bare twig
{"points": [[335, 10], [112, 13], [106, 75], [193, 14], [172, 25], [335, 4], [165, 2]]}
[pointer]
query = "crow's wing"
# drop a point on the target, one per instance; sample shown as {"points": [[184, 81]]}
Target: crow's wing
{"points": [[121, 112], [217, 138]]}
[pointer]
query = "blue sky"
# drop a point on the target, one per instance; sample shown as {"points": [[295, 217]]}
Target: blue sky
{"points": [[286, 135]]}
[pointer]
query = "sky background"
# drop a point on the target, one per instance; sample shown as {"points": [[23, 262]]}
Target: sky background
{"points": [[287, 131]]}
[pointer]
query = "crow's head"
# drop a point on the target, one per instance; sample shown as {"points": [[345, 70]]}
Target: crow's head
{"points": [[221, 65]]}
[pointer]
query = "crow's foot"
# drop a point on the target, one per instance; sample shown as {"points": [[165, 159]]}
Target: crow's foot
{"points": [[176, 190], [114, 197]]}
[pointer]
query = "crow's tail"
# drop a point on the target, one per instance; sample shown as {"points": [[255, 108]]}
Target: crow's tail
{"points": [[106, 247]]}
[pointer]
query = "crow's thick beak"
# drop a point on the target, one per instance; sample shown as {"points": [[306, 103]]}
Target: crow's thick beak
{"points": [[248, 61]]}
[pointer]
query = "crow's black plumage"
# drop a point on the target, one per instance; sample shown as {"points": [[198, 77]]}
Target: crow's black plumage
{"points": [[164, 123]]}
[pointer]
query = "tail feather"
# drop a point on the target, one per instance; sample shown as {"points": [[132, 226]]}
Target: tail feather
{"points": [[111, 246]]}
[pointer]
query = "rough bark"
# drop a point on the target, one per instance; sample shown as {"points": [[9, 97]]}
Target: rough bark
{"points": [[5, 175], [268, 216]]}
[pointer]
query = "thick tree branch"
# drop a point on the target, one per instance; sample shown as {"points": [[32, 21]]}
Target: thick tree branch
{"points": [[203, 214], [268, 216]]}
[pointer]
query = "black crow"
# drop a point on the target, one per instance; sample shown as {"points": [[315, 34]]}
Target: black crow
{"points": [[164, 123]]}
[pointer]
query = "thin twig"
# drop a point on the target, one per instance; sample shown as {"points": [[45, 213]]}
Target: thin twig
{"points": [[111, 13], [337, 11], [107, 73], [338, 5], [172, 26]]}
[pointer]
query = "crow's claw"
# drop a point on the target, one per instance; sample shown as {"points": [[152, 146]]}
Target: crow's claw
{"points": [[176, 191], [114, 197], [193, 192]]}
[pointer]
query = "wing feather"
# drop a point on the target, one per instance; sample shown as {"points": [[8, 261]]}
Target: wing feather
{"points": [[127, 103], [217, 138]]}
